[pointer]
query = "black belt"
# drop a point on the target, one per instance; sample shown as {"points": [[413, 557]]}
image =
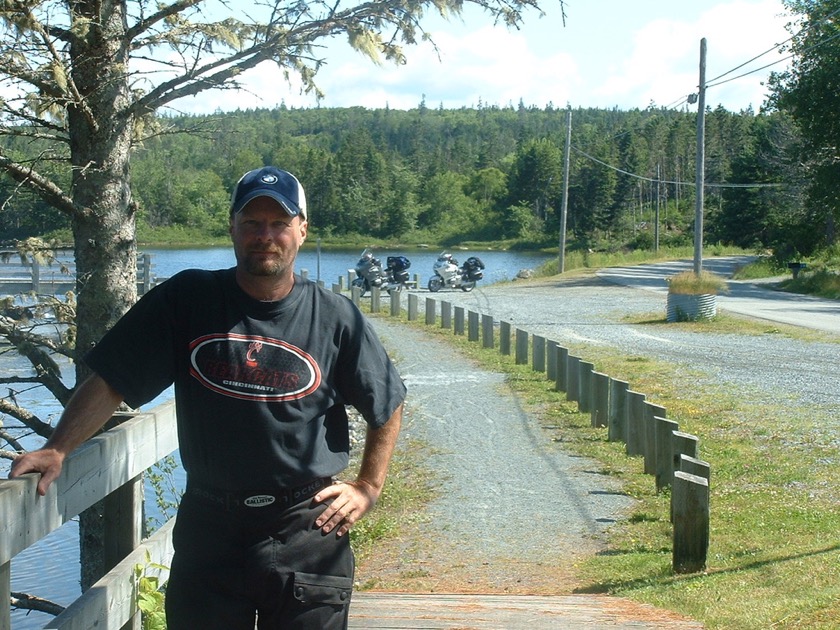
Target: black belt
{"points": [[234, 501]]}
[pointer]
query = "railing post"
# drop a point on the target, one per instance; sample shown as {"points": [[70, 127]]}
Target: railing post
{"points": [[412, 306], [617, 420], [396, 307], [585, 372], [600, 399], [690, 501], [459, 320], [504, 338], [521, 347], [664, 451], [635, 438], [374, 299], [551, 360], [472, 328], [5, 589], [649, 432], [446, 315], [572, 378], [487, 340], [561, 381], [431, 311], [538, 350]]}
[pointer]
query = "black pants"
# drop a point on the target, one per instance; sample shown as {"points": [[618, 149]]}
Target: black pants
{"points": [[231, 568]]}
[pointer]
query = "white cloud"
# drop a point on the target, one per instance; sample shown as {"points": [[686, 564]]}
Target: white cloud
{"points": [[611, 53]]}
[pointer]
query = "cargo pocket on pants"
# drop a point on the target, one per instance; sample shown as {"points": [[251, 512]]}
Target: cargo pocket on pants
{"points": [[311, 589]]}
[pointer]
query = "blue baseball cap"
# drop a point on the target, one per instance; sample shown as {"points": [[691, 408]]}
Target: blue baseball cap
{"points": [[272, 182]]}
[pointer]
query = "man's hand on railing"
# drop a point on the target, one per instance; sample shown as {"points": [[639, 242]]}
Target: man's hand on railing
{"points": [[46, 461]]}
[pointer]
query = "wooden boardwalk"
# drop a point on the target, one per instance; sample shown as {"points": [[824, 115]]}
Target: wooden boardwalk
{"points": [[371, 611]]}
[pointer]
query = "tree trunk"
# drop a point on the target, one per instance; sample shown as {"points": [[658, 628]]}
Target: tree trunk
{"points": [[103, 228]]}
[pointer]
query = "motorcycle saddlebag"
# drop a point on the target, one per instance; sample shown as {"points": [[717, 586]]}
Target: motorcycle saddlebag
{"points": [[474, 266], [398, 263]]}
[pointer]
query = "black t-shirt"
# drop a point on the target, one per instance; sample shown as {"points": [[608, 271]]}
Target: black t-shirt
{"points": [[260, 387]]}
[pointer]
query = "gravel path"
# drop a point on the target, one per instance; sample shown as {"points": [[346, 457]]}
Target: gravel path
{"points": [[509, 494]]}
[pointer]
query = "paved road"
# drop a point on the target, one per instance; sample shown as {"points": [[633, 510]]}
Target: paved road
{"points": [[745, 297]]}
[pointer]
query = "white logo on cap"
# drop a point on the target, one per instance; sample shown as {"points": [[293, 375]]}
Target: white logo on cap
{"points": [[269, 179]]}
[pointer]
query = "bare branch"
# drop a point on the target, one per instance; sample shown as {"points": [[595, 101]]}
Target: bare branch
{"points": [[11, 441], [40, 185], [26, 417], [8, 454], [24, 601], [167, 11]]}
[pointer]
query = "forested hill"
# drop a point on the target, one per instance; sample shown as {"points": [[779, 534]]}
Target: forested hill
{"points": [[437, 175]]}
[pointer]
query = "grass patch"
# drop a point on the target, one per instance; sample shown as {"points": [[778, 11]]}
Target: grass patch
{"points": [[774, 556]]}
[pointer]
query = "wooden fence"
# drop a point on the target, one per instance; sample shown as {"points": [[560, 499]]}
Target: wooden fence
{"points": [[108, 467], [669, 455], [29, 276]]}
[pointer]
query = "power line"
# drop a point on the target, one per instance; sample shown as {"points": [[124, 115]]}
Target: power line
{"points": [[664, 181]]}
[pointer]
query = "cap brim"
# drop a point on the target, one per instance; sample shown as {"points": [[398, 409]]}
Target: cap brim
{"points": [[291, 208]]}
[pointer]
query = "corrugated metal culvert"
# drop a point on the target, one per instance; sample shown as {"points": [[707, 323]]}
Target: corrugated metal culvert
{"points": [[689, 308]]}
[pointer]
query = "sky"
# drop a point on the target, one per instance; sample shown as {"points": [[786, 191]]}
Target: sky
{"points": [[623, 54]]}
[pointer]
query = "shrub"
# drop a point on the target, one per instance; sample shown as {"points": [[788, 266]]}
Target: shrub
{"points": [[689, 283]]}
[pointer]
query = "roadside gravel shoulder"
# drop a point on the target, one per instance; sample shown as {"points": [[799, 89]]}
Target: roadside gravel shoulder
{"points": [[513, 510]]}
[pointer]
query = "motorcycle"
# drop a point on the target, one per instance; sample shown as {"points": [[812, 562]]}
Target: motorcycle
{"points": [[370, 273], [449, 274]]}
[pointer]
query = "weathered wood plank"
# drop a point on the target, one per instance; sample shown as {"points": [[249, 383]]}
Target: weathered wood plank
{"points": [[98, 467], [371, 611], [111, 602]]}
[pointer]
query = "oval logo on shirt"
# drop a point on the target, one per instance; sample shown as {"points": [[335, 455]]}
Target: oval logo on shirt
{"points": [[253, 368]]}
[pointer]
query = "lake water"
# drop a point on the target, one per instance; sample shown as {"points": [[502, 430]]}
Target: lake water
{"points": [[50, 569]]}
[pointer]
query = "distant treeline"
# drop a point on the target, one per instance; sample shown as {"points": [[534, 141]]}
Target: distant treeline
{"points": [[485, 174]]}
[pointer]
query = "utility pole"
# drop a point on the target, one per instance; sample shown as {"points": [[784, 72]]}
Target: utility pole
{"points": [[656, 224], [701, 163], [564, 208]]}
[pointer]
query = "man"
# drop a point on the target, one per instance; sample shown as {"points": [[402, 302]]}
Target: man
{"points": [[263, 365]]}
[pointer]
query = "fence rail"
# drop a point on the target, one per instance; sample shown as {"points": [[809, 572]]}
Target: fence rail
{"points": [[108, 466], [29, 276]]}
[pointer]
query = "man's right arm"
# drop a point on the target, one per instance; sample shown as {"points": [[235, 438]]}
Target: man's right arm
{"points": [[91, 406]]}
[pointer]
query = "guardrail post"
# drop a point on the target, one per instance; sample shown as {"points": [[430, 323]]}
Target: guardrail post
{"points": [[487, 331], [573, 378], [561, 382], [538, 350], [355, 295], [664, 451], [395, 303], [617, 417], [472, 326], [459, 320], [690, 501], [336, 287], [374, 299], [431, 311], [521, 347], [649, 431], [504, 338], [600, 399], [446, 315], [585, 372], [635, 437], [412, 306], [551, 360], [304, 273]]}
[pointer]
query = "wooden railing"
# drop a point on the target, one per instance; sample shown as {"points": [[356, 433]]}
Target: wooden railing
{"points": [[31, 277], [109, 466]]}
